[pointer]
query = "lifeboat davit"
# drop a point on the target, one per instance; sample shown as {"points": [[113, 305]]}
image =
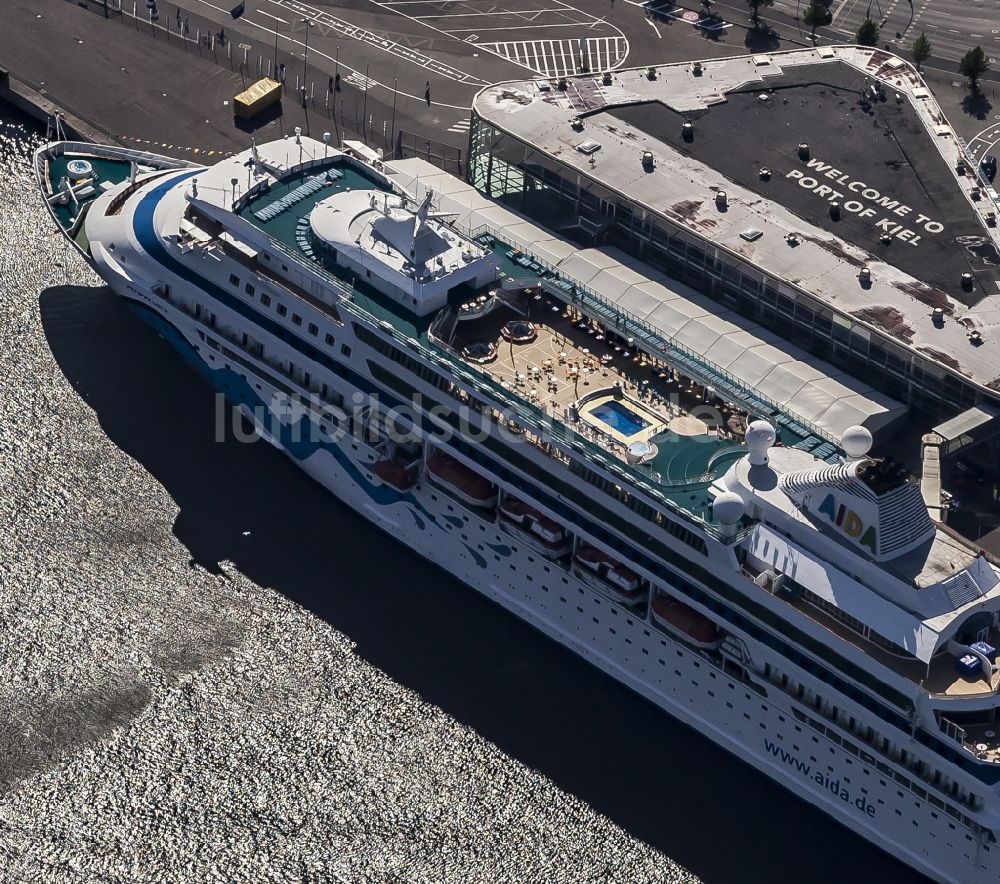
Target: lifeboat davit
{"points": [[683, 620], [534, 529], [607, 575], [461, 482]]}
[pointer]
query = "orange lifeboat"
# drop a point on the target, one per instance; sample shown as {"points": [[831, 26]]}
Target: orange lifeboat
{"points": [[607, 575], [683, 620], [393, 473], [461, 482], [534, 529]]}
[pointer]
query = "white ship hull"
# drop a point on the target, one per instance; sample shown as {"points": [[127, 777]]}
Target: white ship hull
{"points": [[762, 731], [833, 733]]}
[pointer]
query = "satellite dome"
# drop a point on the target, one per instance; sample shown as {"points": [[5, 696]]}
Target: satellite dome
{"points": [[856, 442], [760, 437], [728, 508]]}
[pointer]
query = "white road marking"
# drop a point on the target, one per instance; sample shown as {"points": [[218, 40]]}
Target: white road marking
{"points": [[557, 58], [322, 54], [569, 24], [362, 82], [471, 14], [583, 19], [268, 14], [377, 41]]}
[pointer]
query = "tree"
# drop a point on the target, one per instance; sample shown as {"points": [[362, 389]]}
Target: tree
{"points": [[921, 49], [868, 33], [814, 16], [973, 65], [755, 5]]}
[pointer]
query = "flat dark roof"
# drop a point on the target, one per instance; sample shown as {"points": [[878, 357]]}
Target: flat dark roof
{"points": [[877, 160]]}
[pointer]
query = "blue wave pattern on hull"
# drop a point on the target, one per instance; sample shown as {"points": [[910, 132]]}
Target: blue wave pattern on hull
{"points": [[297, 438]]}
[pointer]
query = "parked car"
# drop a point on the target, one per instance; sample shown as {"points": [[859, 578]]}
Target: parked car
{"points": [[988, 165]]}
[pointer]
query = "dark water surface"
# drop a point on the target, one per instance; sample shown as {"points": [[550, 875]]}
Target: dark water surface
{"points": [[544, 769]]}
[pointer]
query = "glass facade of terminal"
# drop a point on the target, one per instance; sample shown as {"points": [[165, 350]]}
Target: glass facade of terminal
{"points": [[565, 200]]}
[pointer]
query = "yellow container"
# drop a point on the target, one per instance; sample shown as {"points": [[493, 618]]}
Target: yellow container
{"points": [[260, 95]]}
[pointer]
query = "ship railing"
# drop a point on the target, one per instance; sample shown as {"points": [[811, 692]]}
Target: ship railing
{"points": [[143, 157], [545, 427], [656, 341], [342, 289], [528, 415]]}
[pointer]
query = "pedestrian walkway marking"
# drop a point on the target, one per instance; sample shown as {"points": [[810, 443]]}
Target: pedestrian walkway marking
{"points": [[461, 126], [560, 58]]}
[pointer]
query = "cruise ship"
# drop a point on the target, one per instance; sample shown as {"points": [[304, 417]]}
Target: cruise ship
{"points": [[707, 511]]}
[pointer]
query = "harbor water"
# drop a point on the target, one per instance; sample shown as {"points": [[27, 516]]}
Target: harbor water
{"points": [[211, 670]]}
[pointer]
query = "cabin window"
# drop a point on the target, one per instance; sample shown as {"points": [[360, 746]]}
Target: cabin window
{"points": [[282, 310], [234, 279], [265, 300], [313, 329], [249, 289], [296, 319], [345, 350], [328, 338]]}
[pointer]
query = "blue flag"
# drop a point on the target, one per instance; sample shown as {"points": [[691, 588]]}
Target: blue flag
{"points": [[239, 9]]}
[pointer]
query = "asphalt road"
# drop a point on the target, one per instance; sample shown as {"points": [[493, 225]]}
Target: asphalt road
{"points": [[412, 65], [952, 26]]}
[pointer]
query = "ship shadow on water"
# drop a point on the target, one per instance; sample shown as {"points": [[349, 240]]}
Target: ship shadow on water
{"points": [[520, 690]]}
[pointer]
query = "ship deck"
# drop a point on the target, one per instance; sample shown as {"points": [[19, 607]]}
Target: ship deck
{"points": [[940, 678], [573, 363], [584, 364]]}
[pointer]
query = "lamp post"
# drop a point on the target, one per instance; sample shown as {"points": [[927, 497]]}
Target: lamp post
{"points": [[305, 59]]}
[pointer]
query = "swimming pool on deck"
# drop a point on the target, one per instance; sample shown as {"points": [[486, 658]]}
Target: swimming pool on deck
{"points": [[619, 418]]}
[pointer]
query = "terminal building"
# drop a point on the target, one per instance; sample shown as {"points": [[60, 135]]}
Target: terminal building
{"points": [[806, 223]]}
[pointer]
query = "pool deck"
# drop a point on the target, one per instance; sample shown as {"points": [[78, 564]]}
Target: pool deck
{"points": [[569, 359]]}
